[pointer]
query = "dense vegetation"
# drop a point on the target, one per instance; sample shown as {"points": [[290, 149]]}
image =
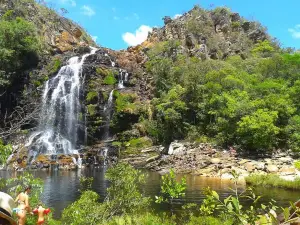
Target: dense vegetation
{"points": [[19, 46], [252, 103]]}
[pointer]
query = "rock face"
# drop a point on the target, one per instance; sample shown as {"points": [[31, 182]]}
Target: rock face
{"points": [[212, 34], [59, 33]]}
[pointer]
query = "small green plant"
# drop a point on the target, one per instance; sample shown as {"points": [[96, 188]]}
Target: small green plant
{"points": [[297, 164], [110, 79], [85, 183], [91, 109], [91, 96], [5, 151], [170, 188]]}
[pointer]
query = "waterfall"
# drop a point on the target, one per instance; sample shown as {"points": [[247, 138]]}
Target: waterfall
{"points": [[123, 75], [58, 128], [108, 108]]}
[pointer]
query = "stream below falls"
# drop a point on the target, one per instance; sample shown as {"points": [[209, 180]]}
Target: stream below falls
{"points": [[61, 188]]}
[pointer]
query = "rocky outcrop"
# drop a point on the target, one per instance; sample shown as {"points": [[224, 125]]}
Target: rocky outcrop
{"points": [[214, 34], [207, 160], [57, 33]]}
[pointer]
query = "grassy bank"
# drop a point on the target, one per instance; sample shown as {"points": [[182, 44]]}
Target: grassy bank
{"points": [[272, 180]]}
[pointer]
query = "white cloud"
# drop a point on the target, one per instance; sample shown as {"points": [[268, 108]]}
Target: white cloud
{"points": [[295, 32], [87, 10], [177, 16], [95, 38], [140, 35], [70, 2], [116, 18]]}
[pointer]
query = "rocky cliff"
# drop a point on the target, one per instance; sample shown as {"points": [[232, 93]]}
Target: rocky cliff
{"points": [[214, 34]]}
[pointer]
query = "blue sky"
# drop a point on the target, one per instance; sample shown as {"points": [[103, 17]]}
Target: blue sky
{"points": [[119, 23]]}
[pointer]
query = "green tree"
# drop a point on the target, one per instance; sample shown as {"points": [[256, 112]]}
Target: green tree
{"points": [[18, 46], [170, 188], [258, 130], [124, 195]]}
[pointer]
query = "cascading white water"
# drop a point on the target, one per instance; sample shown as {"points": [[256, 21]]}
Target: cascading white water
{"points": [[59, 122], [107, 113], [123, 76]]}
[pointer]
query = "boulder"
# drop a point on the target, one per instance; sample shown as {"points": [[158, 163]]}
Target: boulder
{"points": [[215, 161], [287, 170], [272, 168], [176, 148], [249, 166], [260, 165], [285, 159], [243, 161]]}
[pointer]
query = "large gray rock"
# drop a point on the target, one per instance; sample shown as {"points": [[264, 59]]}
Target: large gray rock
{"points": [[176, 148]]}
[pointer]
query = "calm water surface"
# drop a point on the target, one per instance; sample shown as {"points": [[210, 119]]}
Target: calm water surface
{"points": [[61, 188]]}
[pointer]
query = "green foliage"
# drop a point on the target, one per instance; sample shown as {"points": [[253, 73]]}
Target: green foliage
{"points": [[85, 183], [17, 184], [110, 79], [123, 195], [91, 96], [54, 65], [170, 188], [232, 208], [18, 41], [126, 103], [92, 109], [209, 220], [272, 180], [297, 164], [258, 130], [293, 131], [134, 145], [5, 152], [85, 211], [102, 71], [263, 48], [145, 219]]}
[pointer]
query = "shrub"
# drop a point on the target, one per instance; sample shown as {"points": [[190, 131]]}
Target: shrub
{"points": [[91, 96], [123, 195], [110, 79], [92, 109], [258, 130]]}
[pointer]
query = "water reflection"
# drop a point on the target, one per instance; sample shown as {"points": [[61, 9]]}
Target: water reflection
{"points": [[61, 188]]}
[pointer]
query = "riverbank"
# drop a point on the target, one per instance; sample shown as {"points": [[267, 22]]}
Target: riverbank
{"points": [[208, 161]]}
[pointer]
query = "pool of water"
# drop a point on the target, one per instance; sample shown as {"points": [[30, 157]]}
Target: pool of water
{"points": [[61, 188]]}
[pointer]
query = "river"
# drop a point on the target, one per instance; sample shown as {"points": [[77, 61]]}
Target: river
{"points": [[61, 188]]}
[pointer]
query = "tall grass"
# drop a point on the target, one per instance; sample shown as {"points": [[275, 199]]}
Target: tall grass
{"points": [[272, 180]]}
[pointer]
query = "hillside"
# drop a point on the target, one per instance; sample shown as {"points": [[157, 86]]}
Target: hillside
{"points": [[209, 76]]}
